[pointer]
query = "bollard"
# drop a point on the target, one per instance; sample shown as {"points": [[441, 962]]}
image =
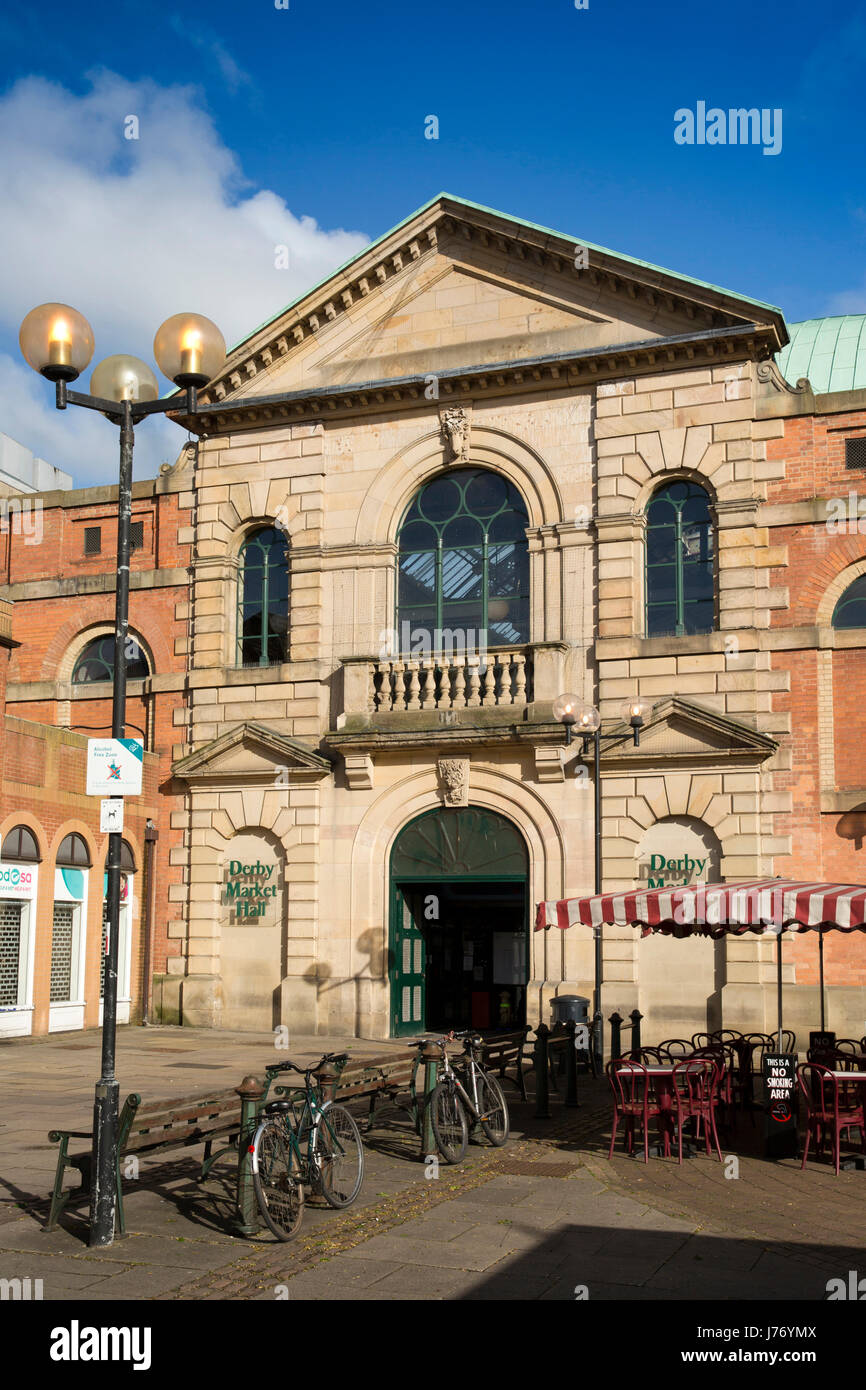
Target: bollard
{"points": [[327, 1077], [540, 1059], [252, 1092], [635, 1017], [571, 1066], [615, 1022], [430, 1058]]}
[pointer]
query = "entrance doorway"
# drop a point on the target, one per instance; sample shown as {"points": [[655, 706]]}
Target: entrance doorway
{"points": [[459, 937]]}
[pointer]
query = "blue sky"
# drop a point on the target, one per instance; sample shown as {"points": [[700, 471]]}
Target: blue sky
{"points": [[305, 126]]}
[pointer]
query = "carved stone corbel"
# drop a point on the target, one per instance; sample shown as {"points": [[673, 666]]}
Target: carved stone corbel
{"points": [[456, 423], [454, 777]]}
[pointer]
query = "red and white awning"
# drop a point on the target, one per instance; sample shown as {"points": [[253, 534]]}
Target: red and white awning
{"points": [[717, 909]]}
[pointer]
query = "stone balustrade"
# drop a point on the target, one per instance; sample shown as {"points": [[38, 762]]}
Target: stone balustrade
{"points": [[466, 681]]}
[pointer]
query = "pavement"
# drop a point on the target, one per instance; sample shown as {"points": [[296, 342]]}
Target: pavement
{"points": [[548, 1217]]}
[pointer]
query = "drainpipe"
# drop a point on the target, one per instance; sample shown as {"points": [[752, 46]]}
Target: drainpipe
{"points": [[151, 835]]}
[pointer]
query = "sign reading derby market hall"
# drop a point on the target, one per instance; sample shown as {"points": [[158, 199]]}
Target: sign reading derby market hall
{"points": [[482, 465]]}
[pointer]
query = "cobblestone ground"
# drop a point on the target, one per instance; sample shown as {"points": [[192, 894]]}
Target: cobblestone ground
{"points": [[548, 1217]]}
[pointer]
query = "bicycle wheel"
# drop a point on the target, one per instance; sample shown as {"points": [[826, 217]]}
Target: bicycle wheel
{"points": [[277, 1179], [339, 1154], [493, 1109], [449, 1122]]}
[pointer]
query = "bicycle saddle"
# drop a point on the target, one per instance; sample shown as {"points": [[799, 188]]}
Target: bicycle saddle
{"points": [[277, 1107]]}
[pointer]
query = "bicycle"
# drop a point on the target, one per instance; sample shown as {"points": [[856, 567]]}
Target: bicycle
{"points": [[334, 1160], [481, 1098]]}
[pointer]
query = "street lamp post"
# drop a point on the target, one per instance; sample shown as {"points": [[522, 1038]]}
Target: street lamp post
{"points": [[57, 342], [584, 719]]}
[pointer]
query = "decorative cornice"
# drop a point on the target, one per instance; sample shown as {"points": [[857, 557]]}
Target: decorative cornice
{"points": [[579, 368]]}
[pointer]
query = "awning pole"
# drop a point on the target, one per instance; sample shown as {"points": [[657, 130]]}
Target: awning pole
{"points": [[821, 972], [779, 985]]}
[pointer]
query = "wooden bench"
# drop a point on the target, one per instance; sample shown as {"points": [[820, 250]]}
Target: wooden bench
{"points": [[149, 1129], [501, 1051], [375, 1079]]}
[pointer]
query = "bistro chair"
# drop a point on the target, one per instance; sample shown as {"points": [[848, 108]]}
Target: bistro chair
{"points": [[702, 1039], [849, 1045], [632, 1101], [831, 1107], [863, 1043], [694, 1086], [726, 1035], [677, 1048], [654, 1056]]}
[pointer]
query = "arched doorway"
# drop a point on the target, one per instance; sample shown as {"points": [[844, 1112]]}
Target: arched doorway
{"points": [[459, 940]]}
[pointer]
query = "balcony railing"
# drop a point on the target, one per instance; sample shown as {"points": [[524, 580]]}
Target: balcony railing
{"points": [[501, 677]]}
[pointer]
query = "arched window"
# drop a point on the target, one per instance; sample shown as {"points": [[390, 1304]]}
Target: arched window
{"points": [[96, 661], [679, 562], [73, 853], [850, 611], [127, 858], [463, 566], [20, 844], [263, 599]]}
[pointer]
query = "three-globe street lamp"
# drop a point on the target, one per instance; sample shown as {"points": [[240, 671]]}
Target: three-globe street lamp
{"points": [[584, 720], [57, 342]]}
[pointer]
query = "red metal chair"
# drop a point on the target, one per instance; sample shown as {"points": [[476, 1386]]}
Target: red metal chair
{"points": [[631, 1100], [695, 1083], [831, 1107]]}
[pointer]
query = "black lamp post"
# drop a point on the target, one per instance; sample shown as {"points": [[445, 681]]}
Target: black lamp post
{"points": [[585, 721], [57, 342]]}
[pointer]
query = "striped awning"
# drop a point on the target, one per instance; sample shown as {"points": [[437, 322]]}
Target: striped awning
{"points": [[717, 909]]}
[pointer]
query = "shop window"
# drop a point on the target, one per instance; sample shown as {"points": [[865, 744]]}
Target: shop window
{"points": [[63, 932], [463, 565], [73, 853], [680, 593], [263, 599], [850, 611], [10, 953], [96, 662], [20, 846]]}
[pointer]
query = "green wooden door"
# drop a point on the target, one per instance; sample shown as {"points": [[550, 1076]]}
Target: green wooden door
{"points": [[407, 966]]}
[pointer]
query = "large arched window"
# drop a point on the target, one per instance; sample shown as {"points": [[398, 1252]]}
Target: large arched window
{"points": [[263, 599], [96, 661], [463, 564], [73, 852], [850, 611], [679, 562]]}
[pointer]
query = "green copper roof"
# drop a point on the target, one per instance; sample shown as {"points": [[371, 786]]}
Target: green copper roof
{"points": [[830, 352], [520, 222]]}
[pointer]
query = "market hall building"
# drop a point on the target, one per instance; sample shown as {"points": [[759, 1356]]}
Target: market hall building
{"points": [[482, 465]]}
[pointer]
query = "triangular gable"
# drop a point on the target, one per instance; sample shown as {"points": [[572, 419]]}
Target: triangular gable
{"points": [[459, 284], [248, 751], [681, 731]]}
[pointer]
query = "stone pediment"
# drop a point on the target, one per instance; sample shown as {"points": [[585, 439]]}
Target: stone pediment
{"points": [[678, 731], [456, 286], [255, 753]]}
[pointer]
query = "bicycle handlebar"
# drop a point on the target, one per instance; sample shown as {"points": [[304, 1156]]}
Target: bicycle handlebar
{"points": [[276, 1067]]}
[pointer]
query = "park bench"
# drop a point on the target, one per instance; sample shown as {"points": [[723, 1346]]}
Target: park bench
{"points": [[503, 1051], [374, 1079], [150, 1129]]}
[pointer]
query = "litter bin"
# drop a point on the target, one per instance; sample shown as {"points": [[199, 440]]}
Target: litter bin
{"points": [[569, 1006]]}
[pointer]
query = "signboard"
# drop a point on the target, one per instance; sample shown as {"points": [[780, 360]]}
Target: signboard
{"points": [[780, 1104], [114, 766], [822, 1042], [250, 889], [675, 872], [16, 880], [111, 815]]}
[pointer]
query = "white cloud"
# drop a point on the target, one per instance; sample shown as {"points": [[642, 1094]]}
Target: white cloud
{"points": [[129, 232]]}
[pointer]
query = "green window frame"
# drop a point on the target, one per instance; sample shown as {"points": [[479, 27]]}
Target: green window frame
{"points": [[95, 663], [850, 611], [463, 563], [263, 599], [680, 562]]}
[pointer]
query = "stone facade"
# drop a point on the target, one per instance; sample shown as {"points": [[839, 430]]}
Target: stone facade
{"points": [[465, 339]]}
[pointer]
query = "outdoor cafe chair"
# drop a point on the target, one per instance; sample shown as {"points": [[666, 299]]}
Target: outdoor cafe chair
{"points": [[849, 1045], [863, 1043], [726, 1035], [655, 1056], [695, 1087], [677, 1048], [702, 1039], [632, 1101], [831, 1107]]}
